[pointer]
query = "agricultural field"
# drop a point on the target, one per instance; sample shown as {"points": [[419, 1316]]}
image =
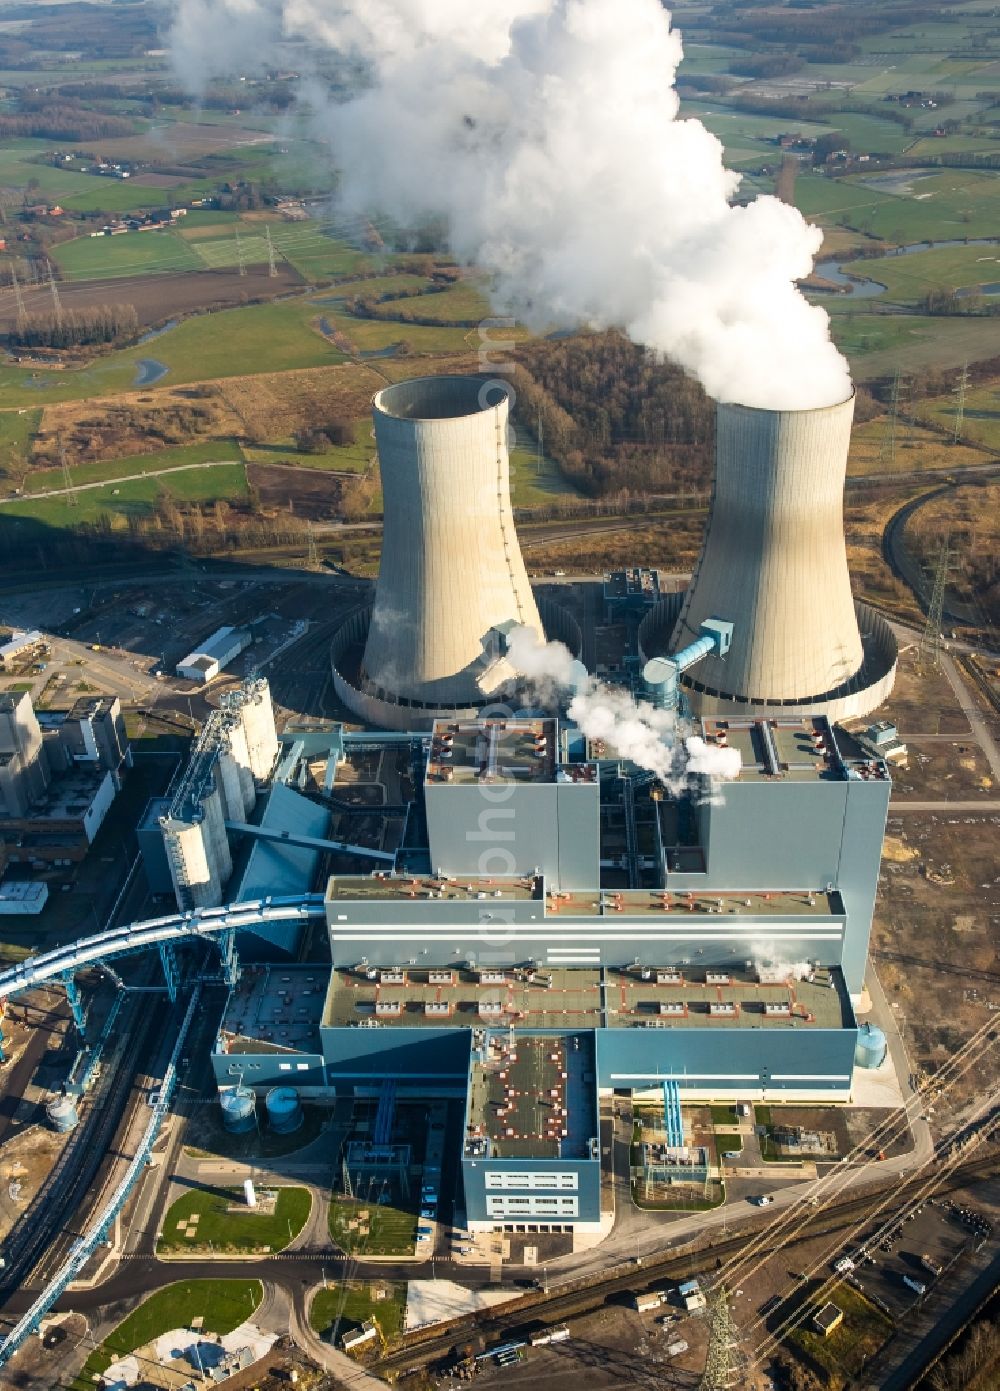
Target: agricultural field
{"points": [[131, 253]]}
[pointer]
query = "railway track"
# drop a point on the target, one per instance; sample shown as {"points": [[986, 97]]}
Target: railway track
{"points": [[42, 1237], [539, 1309]]}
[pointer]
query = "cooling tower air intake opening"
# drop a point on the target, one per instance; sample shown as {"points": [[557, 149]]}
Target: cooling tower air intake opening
{"points": [[442, 398]]}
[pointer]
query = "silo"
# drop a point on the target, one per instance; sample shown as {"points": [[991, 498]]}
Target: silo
{"points": [[774, 564], [61, 1114], [451, 578], [257, 715], [284, 1111], [194, 834], [872, 1046], [239, 1110]]}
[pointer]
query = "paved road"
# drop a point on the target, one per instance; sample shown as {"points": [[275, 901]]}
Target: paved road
{"points": [[973, 714], [984, 804]]}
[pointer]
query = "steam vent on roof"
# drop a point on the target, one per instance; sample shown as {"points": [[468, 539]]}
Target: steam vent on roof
{"points": [[451, 581], [774, 564]]}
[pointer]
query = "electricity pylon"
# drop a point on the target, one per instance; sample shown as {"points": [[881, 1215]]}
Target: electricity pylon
{"points": [[930, 639], [960, 390], [887, 449], [720, 1364], [272, 262]]}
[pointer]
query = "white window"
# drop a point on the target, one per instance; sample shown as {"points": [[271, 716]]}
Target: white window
{"points": [[284, 1067], [535, 1205], [543, 1178]]}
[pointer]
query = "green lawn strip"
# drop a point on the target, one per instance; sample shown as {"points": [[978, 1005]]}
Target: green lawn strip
{"points": [[99, 471], [392, 1231], [846, 1350], [137, 497], [353, 1304], [241, 1230], [128, 254], [723, 1115], [726, 1141], [534, 486], [682, 1204], [221, 1304]]}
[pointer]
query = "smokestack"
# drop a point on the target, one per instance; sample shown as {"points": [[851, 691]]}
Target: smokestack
{"points": [[451, 582], [774, 563]]}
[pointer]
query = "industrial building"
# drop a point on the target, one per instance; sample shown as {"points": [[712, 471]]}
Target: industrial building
{"points": [[207, 660], [59, 773], [546, 920]]}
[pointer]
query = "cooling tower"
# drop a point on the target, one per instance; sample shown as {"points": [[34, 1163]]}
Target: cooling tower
{"points": [[774, 564], [451, 579]]}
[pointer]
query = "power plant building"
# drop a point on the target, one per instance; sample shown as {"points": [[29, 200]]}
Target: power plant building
{"points": [[548, 922]]}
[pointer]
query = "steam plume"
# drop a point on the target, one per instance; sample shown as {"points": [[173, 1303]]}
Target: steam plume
{"points": [[651, 738], [546, 134]]}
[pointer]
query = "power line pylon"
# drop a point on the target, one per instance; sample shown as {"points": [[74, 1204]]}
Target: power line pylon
{"points": [[887, 449], [240, 256], [272, 259], [71, 498], [720, 1364], [930, 639], [56, 301], [18, 297], [960, 390], [540, 444]]}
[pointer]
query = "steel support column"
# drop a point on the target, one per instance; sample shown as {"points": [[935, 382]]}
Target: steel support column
{"points": [[230, 960], [171, 974], [75, 1001]]}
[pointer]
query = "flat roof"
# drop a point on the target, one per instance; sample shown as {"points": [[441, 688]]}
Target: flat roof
{"points": [[493, 751], [697, 1002], [273, 1009], [345, 888], [533, 1099], [798, 750], [544, 998]]}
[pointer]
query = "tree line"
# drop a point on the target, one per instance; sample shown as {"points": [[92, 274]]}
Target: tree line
{"points": [[75, 328]]}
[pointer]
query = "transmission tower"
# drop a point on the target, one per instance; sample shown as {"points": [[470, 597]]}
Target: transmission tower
{"points": [[960, 389], [887, 450], [272, 260], [930, 639], [67, 478], [239, 255], [540, 444], [18, 297], [720, 1365], [56, 302]]}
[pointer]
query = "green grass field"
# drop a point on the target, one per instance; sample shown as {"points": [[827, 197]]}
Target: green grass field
{"points": [[17, 429], [131, 253], [392, 1231], [728, 1142], [223, 252], [909, 278], [240, 1230], [348, 1307], [534, 486], [117, 501], [222, 1306], [233, 342], [981, 419], [844, 1352], [107, 470]]}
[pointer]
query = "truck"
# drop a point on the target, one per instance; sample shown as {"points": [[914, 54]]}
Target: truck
{"points": [[932, 1266]]}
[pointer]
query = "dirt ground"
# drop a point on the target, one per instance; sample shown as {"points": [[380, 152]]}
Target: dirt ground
{"points": [[922, 701], [135, 423], [272, 405], [159, 297]]}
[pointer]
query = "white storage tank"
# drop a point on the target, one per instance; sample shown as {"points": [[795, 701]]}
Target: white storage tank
{"points": [[284, 1111], [61, 1114], [871, 1048], [239, 1110]]}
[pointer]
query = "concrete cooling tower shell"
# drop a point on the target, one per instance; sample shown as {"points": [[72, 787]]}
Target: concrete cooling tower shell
{"points": [[774, 563], [451, 576]]}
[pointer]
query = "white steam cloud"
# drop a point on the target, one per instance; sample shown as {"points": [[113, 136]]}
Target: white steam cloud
{"points": [[546, 134], [651, 738]]}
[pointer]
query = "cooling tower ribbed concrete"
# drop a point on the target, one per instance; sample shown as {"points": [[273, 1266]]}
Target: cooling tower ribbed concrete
{"points": [[451, 577], [774, 563]]}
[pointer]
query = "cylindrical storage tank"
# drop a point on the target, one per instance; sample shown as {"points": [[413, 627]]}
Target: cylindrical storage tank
{"points": [[61, 1114], [451, 574], [872, 1047], [659, 677], [284, 1111], [257, 714], [239, 1110], [774, 562]]}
